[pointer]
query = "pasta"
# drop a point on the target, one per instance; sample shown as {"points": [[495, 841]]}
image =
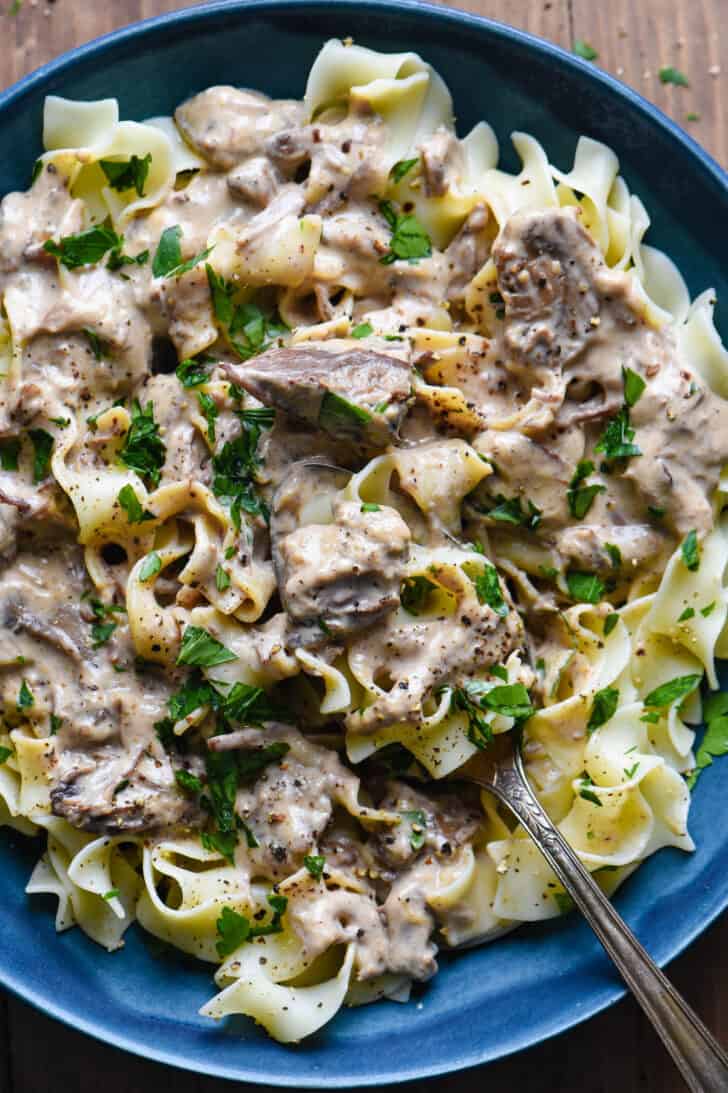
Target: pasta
{"points": [[329, 451]]}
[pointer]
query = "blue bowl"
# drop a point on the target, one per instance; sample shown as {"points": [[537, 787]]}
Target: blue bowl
{"points": [[489, 1002]]}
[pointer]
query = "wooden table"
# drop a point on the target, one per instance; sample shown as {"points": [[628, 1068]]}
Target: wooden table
{"points": [[616, 1051]]}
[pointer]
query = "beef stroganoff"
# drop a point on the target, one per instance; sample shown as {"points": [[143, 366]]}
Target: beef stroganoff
{"points": [[329, 451]]}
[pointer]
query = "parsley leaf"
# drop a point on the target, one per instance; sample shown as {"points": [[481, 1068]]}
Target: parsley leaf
{"points": [[9, 452], [401, 168], [634, 385], [315, 864], [409, 241], [208, 406], [251, 705], [671, 691], [25, 697], [338, 415], [690, 550], [117, 260], [510, 511], [127, 174], [234, 470], [688, 613], [43, 444], [131, 505], [85, 248], [581, 498], [615, 554], [488, 590], [509, 700], [168, 257], [143, 449], [418, 829], [99, 347], [151, 566], [603, 708], [101, 632], [222, 579], [584, 587], [5, 754], [668, 74], [715, 738], [479, 731], [370, 506], [363, 330], [221, 292], [233, 930], [187, 781], [584, 50], [200, 649], [191, 373], [414, 592], [588, 794], [251, 331], [616, 440]]}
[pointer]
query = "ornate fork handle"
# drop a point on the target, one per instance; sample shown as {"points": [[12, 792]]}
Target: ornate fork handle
{"points": [[699, 1058]]}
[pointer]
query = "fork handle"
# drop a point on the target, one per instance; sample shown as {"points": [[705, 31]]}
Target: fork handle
{"points": [[697, 1055]]}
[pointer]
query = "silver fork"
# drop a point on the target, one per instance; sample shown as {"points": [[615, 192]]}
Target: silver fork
{"points": [[697, 1055]]}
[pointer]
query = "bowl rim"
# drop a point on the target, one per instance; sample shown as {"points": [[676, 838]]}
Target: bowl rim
{"points": [[12, 98]]}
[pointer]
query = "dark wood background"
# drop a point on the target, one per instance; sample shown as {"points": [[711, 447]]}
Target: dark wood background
{"points": [[616, 1051]]}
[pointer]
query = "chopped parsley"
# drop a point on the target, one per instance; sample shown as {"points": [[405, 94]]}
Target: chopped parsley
{"points": [[564, 902], [581, 498], [418, 827], [414, 593], [132, 506], [234, 930], [191, 372], [584, 50], [511, 511], [488, 590], [615, 554], [338, 415], [104, 627], [508, 700], [117, 260], [209, 409], [99, 347], [603, 708], [113, 893], [251, 705], [584, 587], [200, 649], [127, 174], [84, 249], [25, 697], [409, 241], [634, 385], [673, 690], [401, 168], [168, 257], [668, 74], [222, 579], [708, 609], [616, 440], [315, 864], [143, 449], [586, 793], [363, 330], [221, 292], [251, 331], [370, 506], [42, 442], [235, 467], [5, 754], [190, 783], [690, 550], [688, 613], [715, 738], [150, 567], [9, 452]]}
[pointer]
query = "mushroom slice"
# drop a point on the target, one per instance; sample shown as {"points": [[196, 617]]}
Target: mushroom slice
{"points": [[338, 568]]}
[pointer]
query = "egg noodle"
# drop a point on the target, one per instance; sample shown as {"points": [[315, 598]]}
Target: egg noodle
{"points": [[329, 451]]}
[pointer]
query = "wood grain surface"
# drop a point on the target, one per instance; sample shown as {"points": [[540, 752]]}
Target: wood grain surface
{"points": [[616, 1051]]}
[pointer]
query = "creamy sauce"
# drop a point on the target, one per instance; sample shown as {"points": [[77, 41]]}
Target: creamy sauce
{"points": [[536, 395]]}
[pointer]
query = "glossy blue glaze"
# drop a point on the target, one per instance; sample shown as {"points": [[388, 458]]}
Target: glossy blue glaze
{"points": [[538, 981]]}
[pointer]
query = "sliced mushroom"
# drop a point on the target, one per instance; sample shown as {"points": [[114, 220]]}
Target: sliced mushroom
{"points": [[338, 568], [357, 395]]}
